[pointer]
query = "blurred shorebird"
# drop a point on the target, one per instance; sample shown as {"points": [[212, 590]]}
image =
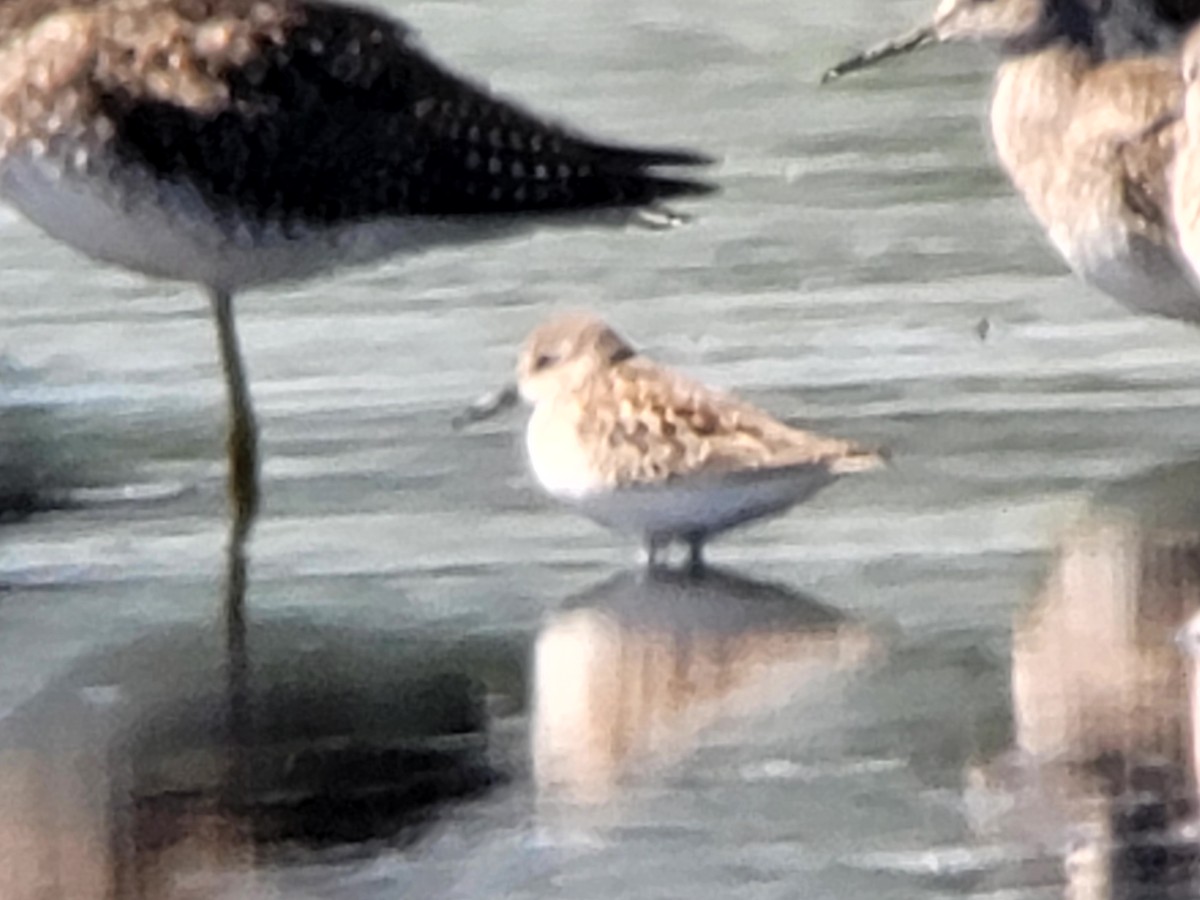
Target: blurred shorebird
{"points": [[234, 143], [1185, 174], [1083, 135], [643, 450]]}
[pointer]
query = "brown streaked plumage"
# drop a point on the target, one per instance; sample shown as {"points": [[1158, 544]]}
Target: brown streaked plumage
{"points": [[234, 143], [641, 423], [640, 448], [1073, 131]]}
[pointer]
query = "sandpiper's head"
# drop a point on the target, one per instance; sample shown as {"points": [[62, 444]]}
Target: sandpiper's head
{"points": [[1018, 25], [562, 353], [556, 358]]}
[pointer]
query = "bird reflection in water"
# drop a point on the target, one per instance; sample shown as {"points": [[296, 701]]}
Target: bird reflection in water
{"points": [[142, 774], [631, 673], [1103, 768]]}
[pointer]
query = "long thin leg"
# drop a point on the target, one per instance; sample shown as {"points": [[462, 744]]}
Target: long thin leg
{"points": [[695, 554], [244, 496], [237, 677], [655, 545], [243, 431]]}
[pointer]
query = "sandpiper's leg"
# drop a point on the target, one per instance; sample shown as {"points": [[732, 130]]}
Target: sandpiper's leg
{"points": [[655, 544], [243, 431], [695, 544]]}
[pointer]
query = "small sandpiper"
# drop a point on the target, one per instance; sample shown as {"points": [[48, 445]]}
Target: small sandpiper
{"points": [[1078, 133], [643, 450], [233, 143]]}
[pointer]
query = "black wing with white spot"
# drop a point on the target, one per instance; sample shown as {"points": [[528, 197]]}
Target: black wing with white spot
{"points": [[346, 119]]}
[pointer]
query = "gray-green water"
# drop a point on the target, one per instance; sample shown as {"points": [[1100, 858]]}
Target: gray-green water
{"points": [[403, 574]]}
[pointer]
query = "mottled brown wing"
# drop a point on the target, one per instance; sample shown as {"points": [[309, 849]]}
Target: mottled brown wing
{"points": [[652, 425]]}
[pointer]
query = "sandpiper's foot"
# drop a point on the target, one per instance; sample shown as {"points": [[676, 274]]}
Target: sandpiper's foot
{"points": [[656, 550]]}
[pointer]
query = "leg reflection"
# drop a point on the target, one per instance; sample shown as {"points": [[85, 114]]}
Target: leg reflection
{"points": [[237, 667]]}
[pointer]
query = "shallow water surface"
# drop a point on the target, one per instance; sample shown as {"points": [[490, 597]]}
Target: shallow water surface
{"points": [[954, 678]]}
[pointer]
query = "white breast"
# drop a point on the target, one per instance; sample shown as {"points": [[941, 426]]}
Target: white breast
{"points": [[557, 458]]}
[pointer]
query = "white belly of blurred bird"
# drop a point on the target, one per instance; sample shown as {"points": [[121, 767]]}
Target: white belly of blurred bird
{"points": [[1142, 274], [165, 229]]}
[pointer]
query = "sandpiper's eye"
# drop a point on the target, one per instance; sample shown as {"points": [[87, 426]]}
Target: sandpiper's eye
{"points": [[544, 360]]}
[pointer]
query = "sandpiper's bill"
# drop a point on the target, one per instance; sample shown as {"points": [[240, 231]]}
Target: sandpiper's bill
{"points": [[1075, 129], [234, 143], [644, 450]]}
